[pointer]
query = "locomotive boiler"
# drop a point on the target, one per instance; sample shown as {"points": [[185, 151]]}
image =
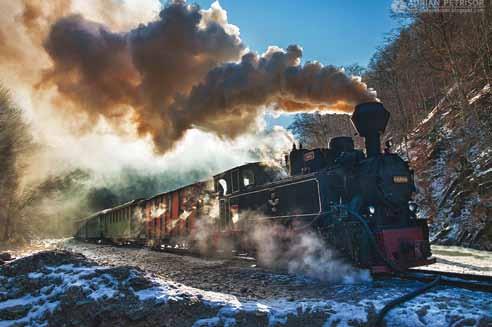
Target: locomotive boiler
{"points": [[359, 203]]}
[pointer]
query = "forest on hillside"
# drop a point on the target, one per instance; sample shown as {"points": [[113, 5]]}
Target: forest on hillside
{"points": [[429, 55]]}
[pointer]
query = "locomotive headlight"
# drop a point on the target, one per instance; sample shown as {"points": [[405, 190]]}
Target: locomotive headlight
{"points": [[412, 206], [372, 210]]}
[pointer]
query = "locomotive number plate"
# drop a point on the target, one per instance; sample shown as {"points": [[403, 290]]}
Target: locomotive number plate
{"points": [[400, 179], [309, 156]]}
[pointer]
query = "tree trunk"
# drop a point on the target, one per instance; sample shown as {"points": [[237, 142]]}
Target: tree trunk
{"points": [[7, 227]]}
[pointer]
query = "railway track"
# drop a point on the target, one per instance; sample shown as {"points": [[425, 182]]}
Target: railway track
{"points": [[467, 281], [183, 251]]}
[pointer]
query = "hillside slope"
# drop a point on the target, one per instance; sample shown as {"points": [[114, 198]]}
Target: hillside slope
{"points": [[450, 152]]}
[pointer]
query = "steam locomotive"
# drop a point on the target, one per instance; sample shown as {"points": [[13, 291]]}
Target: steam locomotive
{"points": [[359, 203]]}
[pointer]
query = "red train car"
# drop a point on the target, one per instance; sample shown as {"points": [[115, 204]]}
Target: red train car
{"points": [[171, 218]]}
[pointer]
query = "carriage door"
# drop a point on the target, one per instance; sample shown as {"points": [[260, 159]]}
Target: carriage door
{"points": [[235, 181], [224, 213]]}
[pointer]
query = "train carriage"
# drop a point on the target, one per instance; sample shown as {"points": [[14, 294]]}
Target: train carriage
{"points": [[123, 224], [80, 229], [171, 217], [89, 228]]}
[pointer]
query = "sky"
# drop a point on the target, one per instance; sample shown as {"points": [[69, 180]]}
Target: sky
{"points": [[337, 32]]}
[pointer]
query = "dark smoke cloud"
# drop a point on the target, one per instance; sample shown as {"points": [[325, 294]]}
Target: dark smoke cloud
{"points": [[232, 94], [188, 69], [139, 72], [93, 68]]}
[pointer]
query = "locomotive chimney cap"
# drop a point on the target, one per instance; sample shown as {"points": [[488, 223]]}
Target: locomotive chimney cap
{"points": [[369, 118]]}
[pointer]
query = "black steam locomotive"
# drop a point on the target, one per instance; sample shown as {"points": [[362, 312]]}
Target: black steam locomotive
{"points": [[360, 204]]}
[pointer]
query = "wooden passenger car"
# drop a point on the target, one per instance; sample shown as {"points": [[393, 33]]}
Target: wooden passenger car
{"points": [[89, 228], [123, 223], [171, 217], [120, 224]]}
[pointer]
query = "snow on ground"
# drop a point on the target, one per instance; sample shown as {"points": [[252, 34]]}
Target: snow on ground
{"points": [[53, 289], [442, 307], [58, 280], [461, 260]]}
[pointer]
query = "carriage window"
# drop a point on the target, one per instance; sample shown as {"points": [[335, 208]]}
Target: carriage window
{"points": [[235, 180], [248, 178], [223, 186]]}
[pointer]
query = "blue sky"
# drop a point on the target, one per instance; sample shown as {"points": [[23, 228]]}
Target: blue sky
{"points": [[337, 32], [333, 32]]}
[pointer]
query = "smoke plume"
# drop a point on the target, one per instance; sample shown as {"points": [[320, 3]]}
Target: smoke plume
{"points": [[136, 75], [186, 69]]}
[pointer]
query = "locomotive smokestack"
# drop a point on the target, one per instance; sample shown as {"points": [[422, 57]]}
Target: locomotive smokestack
{"points": [[370, 120]]}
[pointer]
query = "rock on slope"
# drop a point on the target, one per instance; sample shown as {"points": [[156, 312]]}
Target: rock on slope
{"points": [[451, 152]]}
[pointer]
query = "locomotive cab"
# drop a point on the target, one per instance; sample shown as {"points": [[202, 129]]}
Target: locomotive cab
{"points": [[340, 151], [245, 177]]}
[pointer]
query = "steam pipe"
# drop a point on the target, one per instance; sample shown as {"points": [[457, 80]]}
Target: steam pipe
{"points": [[373, 145]]}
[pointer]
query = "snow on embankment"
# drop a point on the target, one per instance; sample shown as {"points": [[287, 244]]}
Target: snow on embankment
{"points": [[451, 152], [61, 288]]}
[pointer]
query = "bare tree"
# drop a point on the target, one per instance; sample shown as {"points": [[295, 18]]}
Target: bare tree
{"points": [[316, 130], [15, 144]]}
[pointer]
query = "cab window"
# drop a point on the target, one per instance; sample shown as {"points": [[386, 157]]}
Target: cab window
{"points": [[248, 178]]}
